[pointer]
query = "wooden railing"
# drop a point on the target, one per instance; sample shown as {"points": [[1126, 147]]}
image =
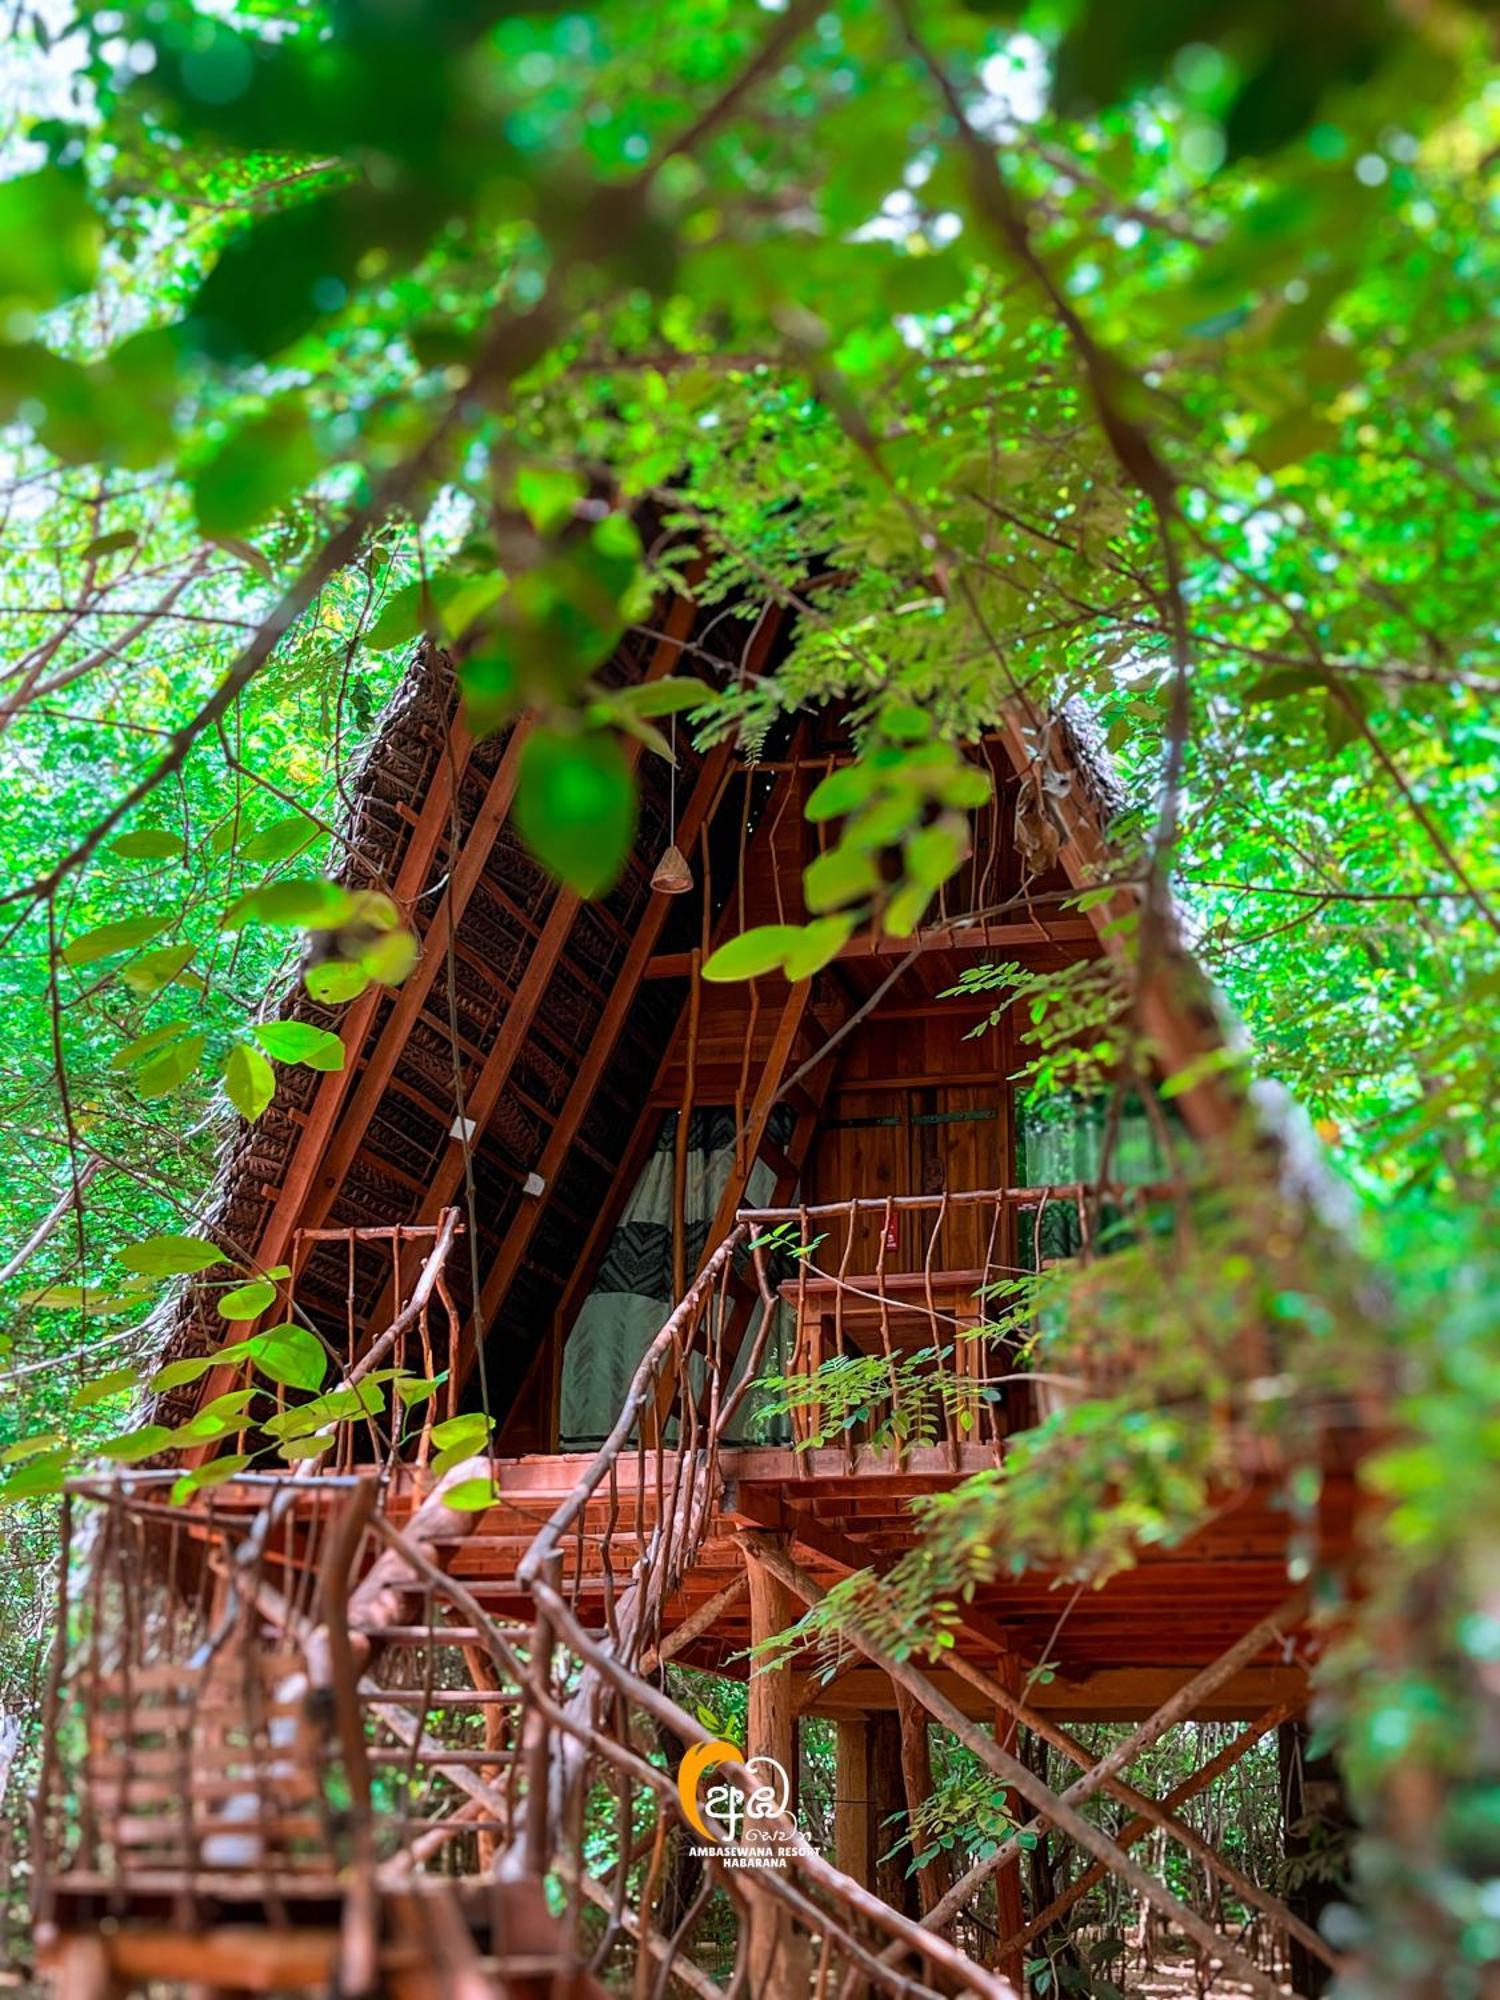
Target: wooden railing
{"points": [[321, 1660]]}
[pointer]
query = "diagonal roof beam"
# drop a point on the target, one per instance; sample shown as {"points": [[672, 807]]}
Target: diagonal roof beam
{"points": [[468, 871], [296, 1191]]}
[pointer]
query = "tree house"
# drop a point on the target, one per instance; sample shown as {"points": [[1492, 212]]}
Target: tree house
{"points": [[721, 1261]]}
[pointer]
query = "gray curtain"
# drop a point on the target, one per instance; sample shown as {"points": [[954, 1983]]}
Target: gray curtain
{"points": [[632, 1295]]}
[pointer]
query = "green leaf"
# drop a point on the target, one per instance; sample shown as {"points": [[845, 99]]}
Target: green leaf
{"points": [[149, 843], [282, 839], [249, 1080], [842, 791], [133, 1446], [289, 1355], [904, 722], [217, 1419], [256, 470], [417, 1388], [292, 1449], [934, 854], [297, 903], [546, 494], [170, 1256], [426, 603], [93, 1299], [169, 1071], [842, 875], [670, 696], [247, 1301], [391, 958], [334, 982], [108, 940], [906, 909], [175, 1373], [110, 545], [38, 1481], [145, 1045], [753, 952], [454, 1455], [155, 969], [32, 1447], [818, 944], [575, 807], [281, 275], [102, 1388], [470, 1496], [469, 1427], [1293, 437], [217, 1472], [49, 242]]}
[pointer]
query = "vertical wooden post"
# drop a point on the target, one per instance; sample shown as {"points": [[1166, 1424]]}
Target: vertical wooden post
{"points": [[887, 1803], [1010, 1910], [778, 1957], [1313, 1806], [853, 1814], [936, 1878]]}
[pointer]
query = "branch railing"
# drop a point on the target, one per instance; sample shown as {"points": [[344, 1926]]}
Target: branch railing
{"points": [[575, 1781]]}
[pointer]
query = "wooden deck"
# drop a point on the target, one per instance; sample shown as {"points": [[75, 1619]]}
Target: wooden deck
{"points": [[1114, 1651]]}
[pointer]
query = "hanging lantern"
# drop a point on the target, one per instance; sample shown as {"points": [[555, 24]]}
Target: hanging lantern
{"points": [[673, 877]]}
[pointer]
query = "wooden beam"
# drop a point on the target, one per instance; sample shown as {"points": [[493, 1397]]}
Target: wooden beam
{"points": [[590, 1070], [467, 871], [936, 1877], [1137, 1828], [959, 937], [432, 824], [777, 1953], [1053, 1806], [1010, 1911], [853, 1815]]}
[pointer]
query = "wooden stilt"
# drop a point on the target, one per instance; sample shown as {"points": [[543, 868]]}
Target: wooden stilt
{"points": [[1010, 1911], [888, 1796], [853, 1816], [935, 1878], [778, 1968]]}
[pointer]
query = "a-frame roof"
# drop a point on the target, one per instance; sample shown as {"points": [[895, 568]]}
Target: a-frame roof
{"points": [[558, 1027]]}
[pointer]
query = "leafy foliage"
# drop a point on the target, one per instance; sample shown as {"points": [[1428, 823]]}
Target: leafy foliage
{"points": [[1136, 355]]}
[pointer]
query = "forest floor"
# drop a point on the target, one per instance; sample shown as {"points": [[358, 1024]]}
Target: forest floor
{"points": [[1175, 1977]]}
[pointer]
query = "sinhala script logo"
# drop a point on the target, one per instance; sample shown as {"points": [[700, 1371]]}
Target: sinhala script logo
{"points": [[735, 1810]]}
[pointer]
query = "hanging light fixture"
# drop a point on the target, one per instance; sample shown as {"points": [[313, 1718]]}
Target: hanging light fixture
{"points": [[673, 876]]}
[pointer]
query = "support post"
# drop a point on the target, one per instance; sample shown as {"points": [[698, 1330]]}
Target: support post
{"points": [[1010, 1911], [853, 1816], [888, 1802], [777, 1953], [933, 1881], [1314, 1817]]}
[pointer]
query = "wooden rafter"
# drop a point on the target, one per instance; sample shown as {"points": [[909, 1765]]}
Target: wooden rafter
{"points": [[468, 871], [611, 1023], [295, 1198]]}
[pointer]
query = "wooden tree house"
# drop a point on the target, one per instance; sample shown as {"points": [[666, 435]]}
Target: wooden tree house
{"points": [[316, 1725]]}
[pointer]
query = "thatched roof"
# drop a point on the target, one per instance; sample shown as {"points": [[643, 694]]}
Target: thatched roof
{"points": [[411, 1127]]}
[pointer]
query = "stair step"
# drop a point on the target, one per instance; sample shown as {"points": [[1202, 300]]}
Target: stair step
{"points": [[440, 1697], [469, 1760], [440, 1635]]}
